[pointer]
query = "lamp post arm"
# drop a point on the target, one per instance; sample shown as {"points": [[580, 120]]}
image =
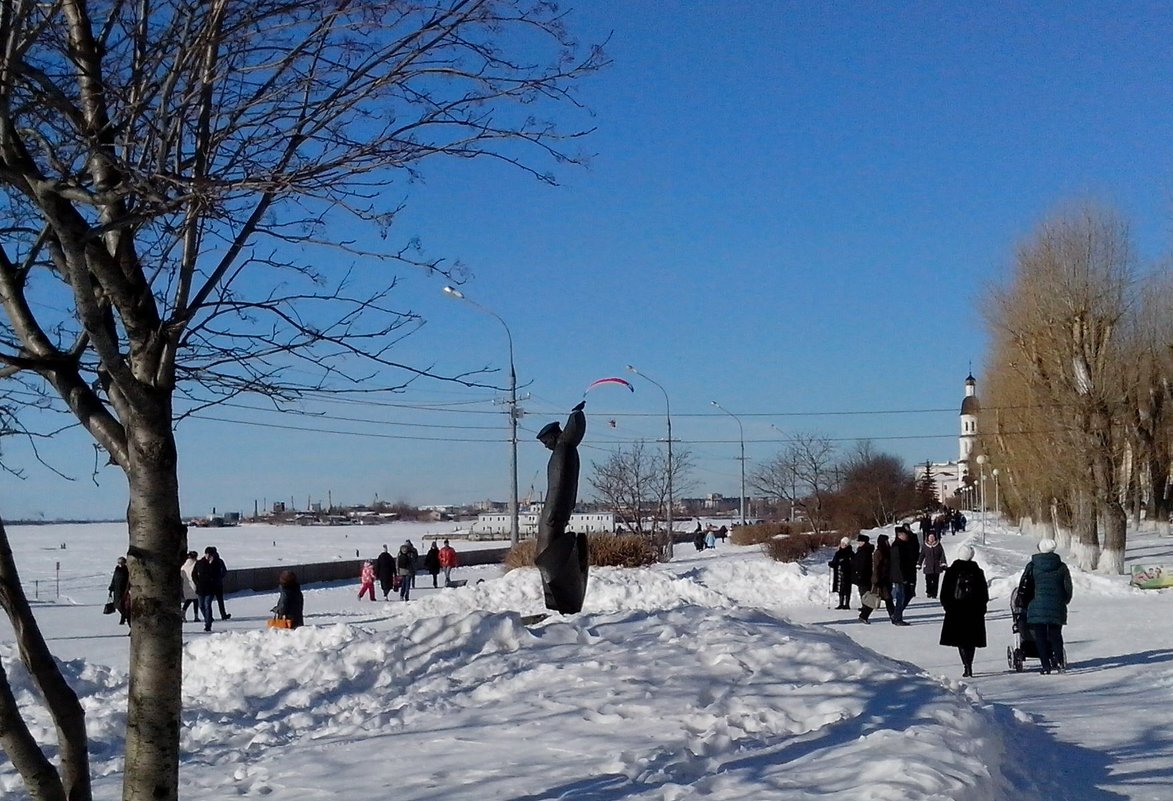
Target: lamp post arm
{"points": [[514, 513], [671, 464], [741, 439]]}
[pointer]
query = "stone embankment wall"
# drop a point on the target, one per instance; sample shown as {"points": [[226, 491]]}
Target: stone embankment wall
{"points": [[264, 579]]}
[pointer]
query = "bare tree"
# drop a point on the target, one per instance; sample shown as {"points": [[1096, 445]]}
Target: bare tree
{"points": [[876, 488], [1148, 391], [802, 473], [634, 482], [1062, 313], [172, 180]]}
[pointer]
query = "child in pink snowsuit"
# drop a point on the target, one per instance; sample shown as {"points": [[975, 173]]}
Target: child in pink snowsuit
{"points": [[368, 580]]}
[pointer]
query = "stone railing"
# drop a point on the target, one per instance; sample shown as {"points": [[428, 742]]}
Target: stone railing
{"points": [[264, 579]]}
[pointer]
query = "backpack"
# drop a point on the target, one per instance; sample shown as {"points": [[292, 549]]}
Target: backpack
{"points": [[966, 587]]}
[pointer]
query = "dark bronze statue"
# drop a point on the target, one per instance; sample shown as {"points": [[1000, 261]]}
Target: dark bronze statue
{"points": [[562, 556]]}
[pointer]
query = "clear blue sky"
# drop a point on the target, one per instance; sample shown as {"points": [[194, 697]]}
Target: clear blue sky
{"points": [[793, 209]]}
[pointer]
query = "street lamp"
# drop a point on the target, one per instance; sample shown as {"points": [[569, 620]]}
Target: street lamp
{"points": [[981, 460], [514, 524], [997, 501], [741, 432], [671, 465]]}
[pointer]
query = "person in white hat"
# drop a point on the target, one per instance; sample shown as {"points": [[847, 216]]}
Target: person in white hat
{"points": [[1045, 590], [965, 596], [841, 573]]}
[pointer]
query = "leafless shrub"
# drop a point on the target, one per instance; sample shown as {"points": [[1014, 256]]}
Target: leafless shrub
{"points": [[606, 550]]}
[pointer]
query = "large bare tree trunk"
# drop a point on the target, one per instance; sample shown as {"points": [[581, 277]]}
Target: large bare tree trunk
{"points": [[1085, 546], [42, 779], [158, 542], [1111, 514]]}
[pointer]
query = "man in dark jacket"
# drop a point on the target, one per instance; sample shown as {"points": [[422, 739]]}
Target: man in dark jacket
{"points": [[910, 570], [1045, 588], [206, 577], [385, 572], [902, 571], [861, 566], [220, 572]]}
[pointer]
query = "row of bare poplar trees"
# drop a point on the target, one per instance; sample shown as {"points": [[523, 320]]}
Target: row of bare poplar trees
{"points": [[1078, 393]]}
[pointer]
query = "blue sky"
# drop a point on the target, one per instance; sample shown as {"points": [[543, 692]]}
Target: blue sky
{"points": [[792, 209]]}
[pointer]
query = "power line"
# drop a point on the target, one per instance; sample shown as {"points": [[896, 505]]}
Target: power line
{"points": [[318, 430]]}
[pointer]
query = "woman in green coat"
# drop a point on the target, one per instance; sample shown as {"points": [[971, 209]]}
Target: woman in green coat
{"points": [[1045, 591]]}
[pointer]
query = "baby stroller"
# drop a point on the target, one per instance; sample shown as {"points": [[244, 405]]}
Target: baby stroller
{"points": [[1024, 644]]}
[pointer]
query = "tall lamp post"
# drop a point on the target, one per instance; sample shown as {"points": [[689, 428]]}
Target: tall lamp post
{"points": [[741, 433], [671, 464], [981, 460], [514, 523], [997, 500]]}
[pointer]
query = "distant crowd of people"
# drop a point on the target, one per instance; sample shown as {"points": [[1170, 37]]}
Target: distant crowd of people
{"points": [[396, 573], [707, 537], [887, 574], [202, 582], [949, 520]]}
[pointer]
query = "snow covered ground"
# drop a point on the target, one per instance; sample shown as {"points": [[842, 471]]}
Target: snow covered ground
{"points": [[720, 675]]}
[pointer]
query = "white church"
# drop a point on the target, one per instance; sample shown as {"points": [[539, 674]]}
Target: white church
{"points": [[950, 477]]}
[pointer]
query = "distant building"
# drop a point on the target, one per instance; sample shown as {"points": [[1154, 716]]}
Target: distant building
{"points": [[497, 523], [950, 478]]}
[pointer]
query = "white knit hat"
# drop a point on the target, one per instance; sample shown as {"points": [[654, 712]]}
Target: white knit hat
{"points": [[843, 543], [965, 553], [1046, 545]]}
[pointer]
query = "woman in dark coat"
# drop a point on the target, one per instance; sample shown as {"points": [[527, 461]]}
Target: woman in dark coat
{"points": [[964, 595], [432, 562], [861, 566], [841, 573], [932, 561], [881, 582], [120, 589], [290, 603], [1045, 588]]}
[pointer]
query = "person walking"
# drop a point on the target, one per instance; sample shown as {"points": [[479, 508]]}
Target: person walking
{"points": [[841, 573], [1045, 590], [901, 567], [120, 589], [190, 598], [861, 567], [964, 596], [415, 557], [221, 570], [385, 572], [367, 580], [911, 554], [205, 575], [432, 563], [405, 565], [933, 562], [290, 601], [881, 577], [448, 561]]}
